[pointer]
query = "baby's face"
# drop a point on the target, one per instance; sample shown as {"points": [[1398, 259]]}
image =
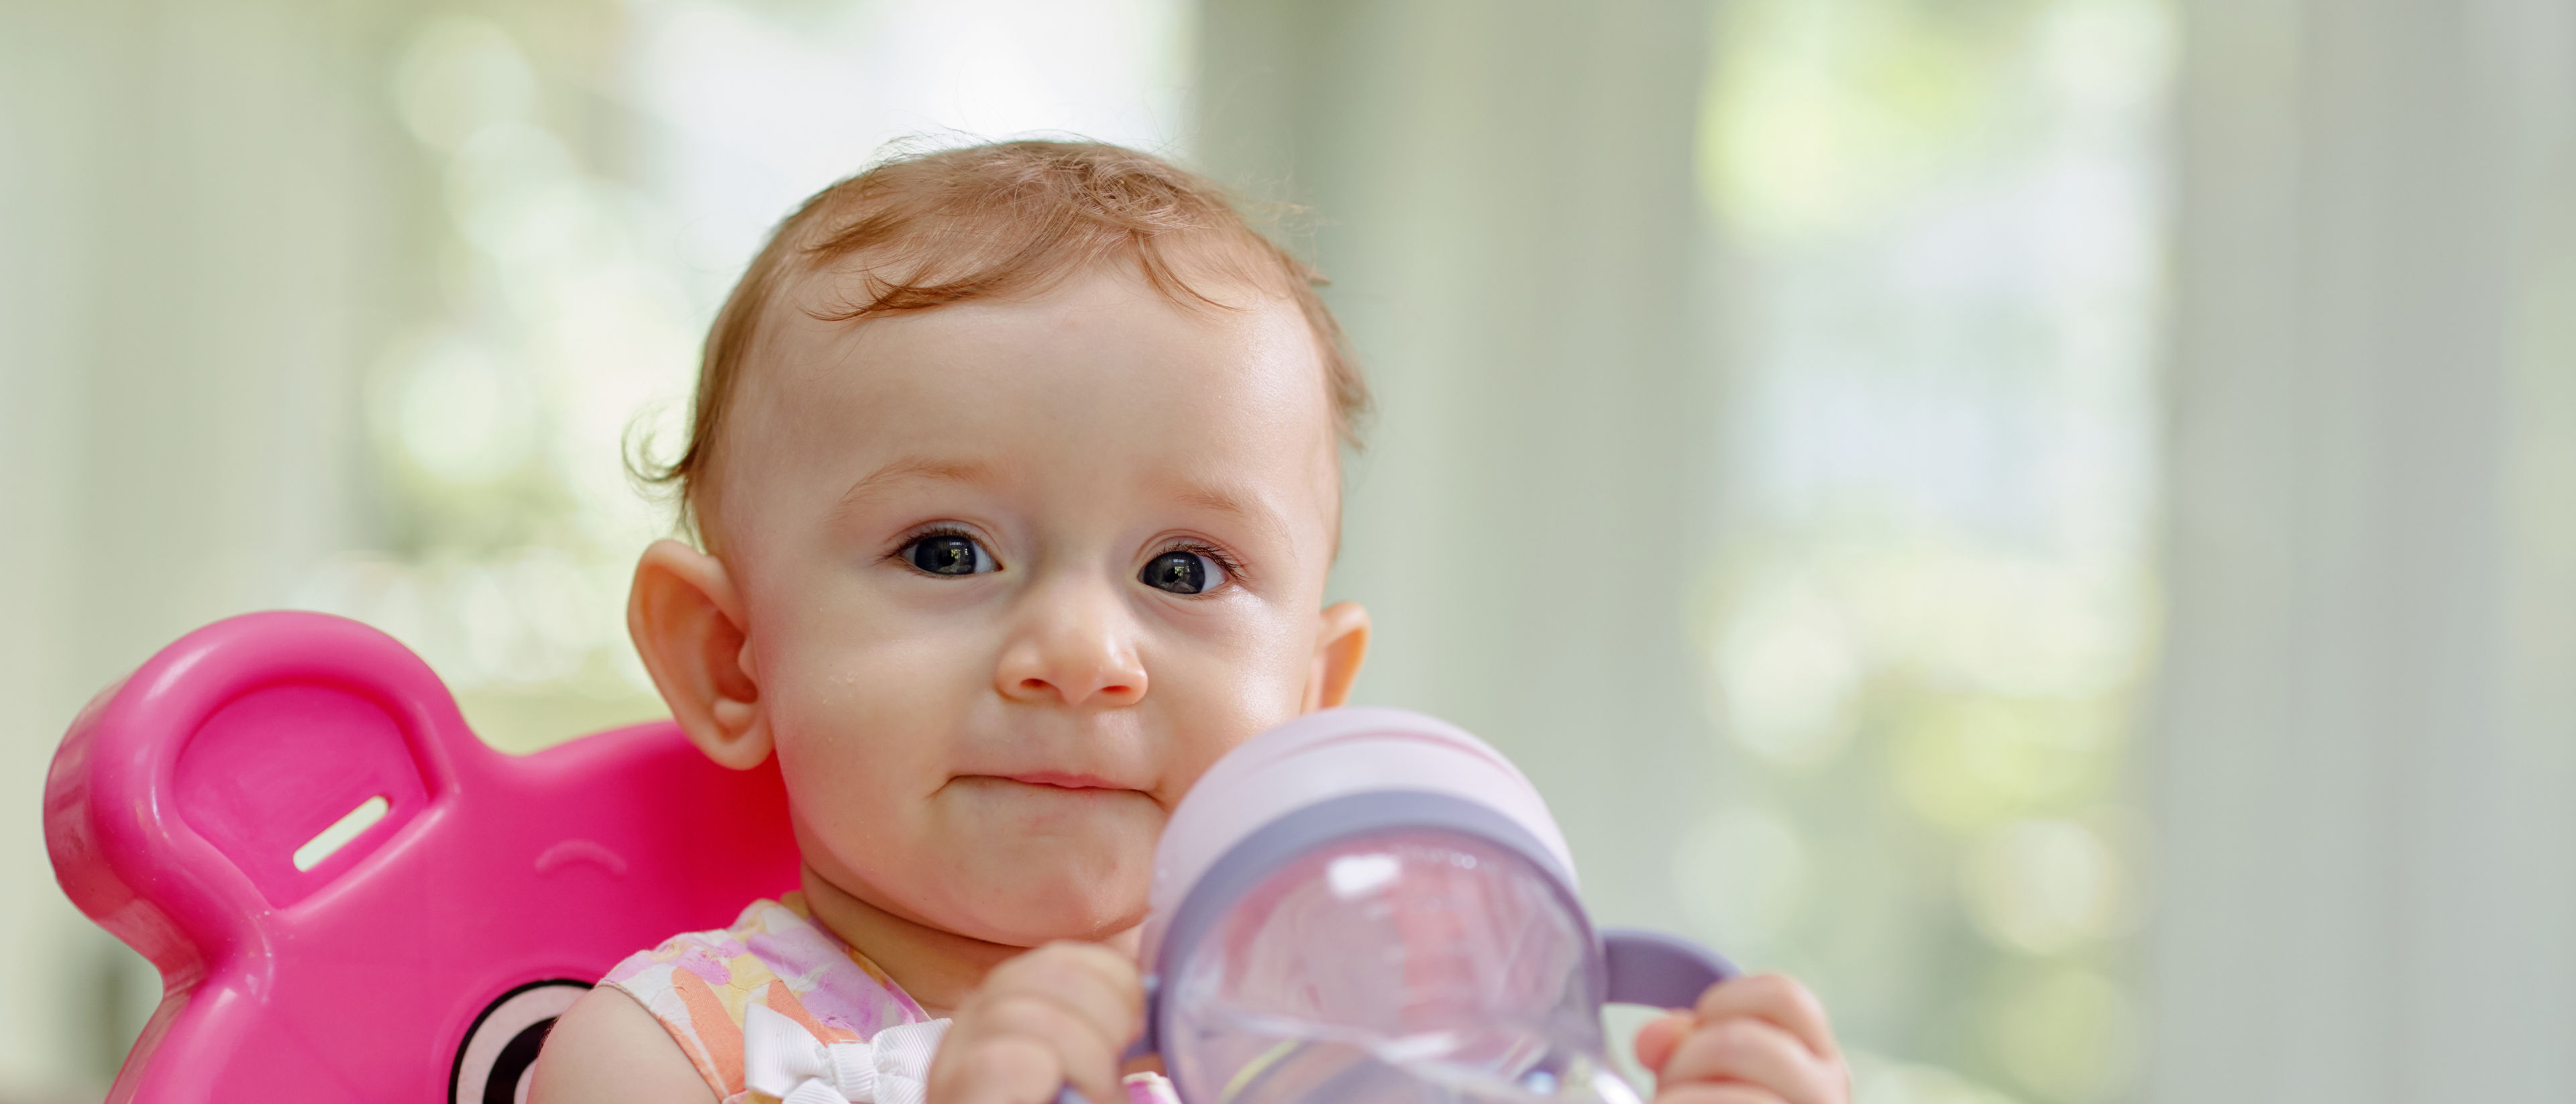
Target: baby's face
{"points": [[1013, 574]]}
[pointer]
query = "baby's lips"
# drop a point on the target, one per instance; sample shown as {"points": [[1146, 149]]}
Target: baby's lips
{"points": [[1066, 780]]}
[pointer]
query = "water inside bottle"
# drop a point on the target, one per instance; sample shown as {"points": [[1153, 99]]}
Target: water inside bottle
{"points": [[1412, 967]]}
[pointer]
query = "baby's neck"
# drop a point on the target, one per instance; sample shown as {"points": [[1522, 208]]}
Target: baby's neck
{"points": [[936, 967]]}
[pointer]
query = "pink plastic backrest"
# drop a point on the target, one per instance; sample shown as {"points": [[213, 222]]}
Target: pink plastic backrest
{"points": [[421, 959]]}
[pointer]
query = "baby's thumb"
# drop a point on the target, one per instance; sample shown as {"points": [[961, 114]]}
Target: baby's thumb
{"points": [[1660, 1037]]}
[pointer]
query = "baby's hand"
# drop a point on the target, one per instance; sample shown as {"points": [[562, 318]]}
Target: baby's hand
{"points": [[1753, 1040], [1062, 1013]]}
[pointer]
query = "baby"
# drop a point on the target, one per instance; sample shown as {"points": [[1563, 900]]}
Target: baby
{"points": [[1016, 471]]}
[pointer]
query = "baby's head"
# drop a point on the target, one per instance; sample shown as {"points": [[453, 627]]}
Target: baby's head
{"points": [[1016, 473]]}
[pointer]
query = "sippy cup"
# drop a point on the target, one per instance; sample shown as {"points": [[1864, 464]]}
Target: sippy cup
{"points": [[1369, 906]]}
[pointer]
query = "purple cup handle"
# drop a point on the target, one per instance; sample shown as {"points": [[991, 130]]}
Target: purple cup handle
{"points": [[1656, 970], [1066, 1095]]}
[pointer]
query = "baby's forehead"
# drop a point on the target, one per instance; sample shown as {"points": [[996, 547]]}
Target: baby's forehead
{"points": [[1231, 347], [1102, 375]]}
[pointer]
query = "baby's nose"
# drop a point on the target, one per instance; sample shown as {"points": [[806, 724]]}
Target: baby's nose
{"points": [[1074, 654], [1104, 690]]}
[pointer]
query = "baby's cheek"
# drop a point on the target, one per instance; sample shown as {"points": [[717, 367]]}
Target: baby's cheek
{"points": [[845, 744], [857, 748], [848, 803], [1223, 701]]}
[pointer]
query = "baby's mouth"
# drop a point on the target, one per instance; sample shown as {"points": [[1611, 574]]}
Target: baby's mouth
{"points": [[1064, 781]]}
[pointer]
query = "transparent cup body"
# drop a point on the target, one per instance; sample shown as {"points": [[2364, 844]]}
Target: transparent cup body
{"points": [[1404, 967]]}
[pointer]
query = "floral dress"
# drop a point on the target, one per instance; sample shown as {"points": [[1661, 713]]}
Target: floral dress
{"points": [[776, 1008]]}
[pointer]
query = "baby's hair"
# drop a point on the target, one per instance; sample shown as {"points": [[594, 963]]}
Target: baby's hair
{"points": [[928, 230]]}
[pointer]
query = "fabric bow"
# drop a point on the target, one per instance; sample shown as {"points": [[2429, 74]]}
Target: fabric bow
{"points": [[781, 1059]]}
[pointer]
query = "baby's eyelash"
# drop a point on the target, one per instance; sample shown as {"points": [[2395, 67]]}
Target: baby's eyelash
{"points": [[1232, 567], [912, 537]]}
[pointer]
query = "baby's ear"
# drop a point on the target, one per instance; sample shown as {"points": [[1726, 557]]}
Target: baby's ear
{"points": [[688, 623], [1341, 642]]}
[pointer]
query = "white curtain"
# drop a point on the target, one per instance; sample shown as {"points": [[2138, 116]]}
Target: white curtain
{"points": [[195, 255], [2365, 760], [1505, 199]]}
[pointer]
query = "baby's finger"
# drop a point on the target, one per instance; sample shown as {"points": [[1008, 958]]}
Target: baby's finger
{"points": [[1778, 999], [1717, 1094], [999, 1069], [1087, 959], [1656, 1040], [1105, 993], [1756, 1052], [1083, 1054], [1095, 959]]}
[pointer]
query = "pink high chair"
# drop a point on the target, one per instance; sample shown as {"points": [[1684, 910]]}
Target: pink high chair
{"points": [[349, 896]]}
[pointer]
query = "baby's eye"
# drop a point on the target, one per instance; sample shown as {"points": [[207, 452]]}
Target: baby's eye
{"points": [[949, 554], [1182, 573]]}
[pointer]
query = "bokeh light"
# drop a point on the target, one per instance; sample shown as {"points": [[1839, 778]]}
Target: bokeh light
{"points": [[1931, 609]]}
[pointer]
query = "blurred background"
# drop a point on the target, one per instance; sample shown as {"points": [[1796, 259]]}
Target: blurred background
{"points": [[2054, 520]]}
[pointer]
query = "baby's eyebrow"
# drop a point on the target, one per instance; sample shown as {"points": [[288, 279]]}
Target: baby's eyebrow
{"points": [[910, 469], [1249, 509]]}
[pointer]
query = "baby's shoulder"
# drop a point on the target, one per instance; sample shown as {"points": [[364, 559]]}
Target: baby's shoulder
{"points": [[607, 1049], [697, 989], [662, 1023], [775, 954], [721, 958]]}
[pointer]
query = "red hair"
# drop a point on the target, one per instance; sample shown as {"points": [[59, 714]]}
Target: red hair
{"points": [[992, 221]]}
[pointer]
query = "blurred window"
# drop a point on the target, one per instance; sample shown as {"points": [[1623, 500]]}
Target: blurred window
{"points": [[1941, 225]]}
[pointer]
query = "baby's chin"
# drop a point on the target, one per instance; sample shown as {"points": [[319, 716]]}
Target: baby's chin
{"points": [[1028, 869], [1042, 907], [1017, 929]]}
